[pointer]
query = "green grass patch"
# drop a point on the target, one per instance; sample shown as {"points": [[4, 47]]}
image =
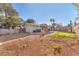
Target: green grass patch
{"points": [[62, 35]]}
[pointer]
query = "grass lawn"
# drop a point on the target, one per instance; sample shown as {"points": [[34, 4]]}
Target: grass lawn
{"points": [[62, 35]]}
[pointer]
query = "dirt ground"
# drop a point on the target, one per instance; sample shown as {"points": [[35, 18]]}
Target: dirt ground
{"points": [[4, 38], [34, 45]]}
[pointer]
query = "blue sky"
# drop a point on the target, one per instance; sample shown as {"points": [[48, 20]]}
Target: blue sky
{"points": [[42, 12]]}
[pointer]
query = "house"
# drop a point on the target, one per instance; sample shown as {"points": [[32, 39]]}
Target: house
{"points": [[30, 27]]}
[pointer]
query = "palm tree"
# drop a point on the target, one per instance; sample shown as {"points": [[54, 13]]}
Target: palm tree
{"points": [[70, 26], [53, 24], [52, 20]]}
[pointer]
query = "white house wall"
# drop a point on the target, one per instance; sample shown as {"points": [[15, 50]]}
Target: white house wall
{"points": [[31, 28]]}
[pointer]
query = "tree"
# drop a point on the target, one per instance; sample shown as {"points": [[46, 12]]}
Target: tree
{"points": [[76, 27], [70, 26], [0, 11], [75, 23], [2, 20], [52, 20], [53, 24], [6, 7], [12, 18], [76, 5], [12, 22], [30, 21], [44, 27]]}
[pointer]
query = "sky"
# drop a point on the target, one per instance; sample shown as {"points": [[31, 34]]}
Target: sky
{"points": [[43, 12]]}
